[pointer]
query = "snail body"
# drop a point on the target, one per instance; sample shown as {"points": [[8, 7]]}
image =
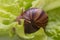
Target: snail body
{"points": [[34, 19]]}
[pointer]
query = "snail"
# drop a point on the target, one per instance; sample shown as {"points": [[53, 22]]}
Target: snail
{"points": [[34, 19]]}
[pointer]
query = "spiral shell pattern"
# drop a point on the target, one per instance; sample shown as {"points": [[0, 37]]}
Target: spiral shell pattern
{"points": [[34, 19]]}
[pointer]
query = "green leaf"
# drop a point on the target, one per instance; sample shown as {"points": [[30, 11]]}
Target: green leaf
{"points": [[10, 9], [53, 27], [52, 5]]}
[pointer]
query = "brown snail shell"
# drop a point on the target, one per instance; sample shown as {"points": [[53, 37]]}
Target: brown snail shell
{"points": [[34, 19]]}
